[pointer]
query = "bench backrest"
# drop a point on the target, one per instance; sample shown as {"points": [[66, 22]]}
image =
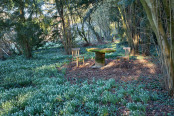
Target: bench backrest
{"points": [[75, 52], [127, 51]]}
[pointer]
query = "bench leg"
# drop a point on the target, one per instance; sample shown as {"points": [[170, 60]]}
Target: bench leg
{"points": [[77, 61], [83, 60]]}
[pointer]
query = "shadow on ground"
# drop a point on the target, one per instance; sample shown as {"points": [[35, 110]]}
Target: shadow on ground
{"points": [[117, 69]]}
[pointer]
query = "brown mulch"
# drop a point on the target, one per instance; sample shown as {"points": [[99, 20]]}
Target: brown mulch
{"points": [[117, 69], [142, 70]]}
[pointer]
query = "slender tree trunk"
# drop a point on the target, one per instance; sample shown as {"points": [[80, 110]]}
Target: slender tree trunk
{"points": [[95, 33], [146, 43], [65, 27], [126, 26], [82, 32], [1, 52]]}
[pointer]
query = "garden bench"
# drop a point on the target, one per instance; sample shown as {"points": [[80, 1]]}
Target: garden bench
{"points": [[124, 60], [127, 52], [76, 57]]}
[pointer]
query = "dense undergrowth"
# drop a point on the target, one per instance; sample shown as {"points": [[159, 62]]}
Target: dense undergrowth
{"points": [[36, 87]]}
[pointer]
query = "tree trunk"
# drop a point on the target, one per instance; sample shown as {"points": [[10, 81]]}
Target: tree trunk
{"points": [[95, 33], [146, 44], [24, 41], [126, 27], [67, 42], [82, 32], [166, 48], [28, 51]]}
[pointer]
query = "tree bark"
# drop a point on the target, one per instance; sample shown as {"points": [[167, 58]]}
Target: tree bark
{"points": [[161, 35], [95, 33], [67, 42]]}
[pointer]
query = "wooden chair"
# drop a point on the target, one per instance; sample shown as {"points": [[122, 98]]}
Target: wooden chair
{"points": [[127, 52], [124, 60], [76, 57]]}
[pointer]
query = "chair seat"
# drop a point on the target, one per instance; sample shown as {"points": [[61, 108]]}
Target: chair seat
{"points": [[79, 57]]}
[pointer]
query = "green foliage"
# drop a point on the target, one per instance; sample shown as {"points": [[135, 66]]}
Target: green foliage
{"points": [[126, 3], [136, 106], [103, 111], [29, 36], [36, 87], [25, 22], [42, 90], [109, 97]]}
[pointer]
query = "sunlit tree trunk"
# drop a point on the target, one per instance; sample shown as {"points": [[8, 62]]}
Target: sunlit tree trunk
{"points": [[135, 26], [129, 25], [152, 8], [125, 26]]}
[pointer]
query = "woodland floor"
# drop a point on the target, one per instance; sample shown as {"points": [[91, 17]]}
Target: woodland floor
{"points": [[119, 70], [141, 71], [51, 85]]}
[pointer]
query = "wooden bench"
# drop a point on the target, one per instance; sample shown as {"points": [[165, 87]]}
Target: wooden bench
{"points": [[76, 57], [124, 60], [127, 52]]}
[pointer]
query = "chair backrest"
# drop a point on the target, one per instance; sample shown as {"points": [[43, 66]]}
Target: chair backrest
{"points": [[127, 50], [75, 52]]}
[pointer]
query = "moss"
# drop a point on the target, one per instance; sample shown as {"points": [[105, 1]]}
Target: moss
{"points": [[100, 58], [100, 55], [101, 50]]}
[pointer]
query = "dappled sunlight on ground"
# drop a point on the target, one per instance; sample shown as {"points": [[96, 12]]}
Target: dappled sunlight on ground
{"points": [[124, 71], [109, 65], [20, 99]]}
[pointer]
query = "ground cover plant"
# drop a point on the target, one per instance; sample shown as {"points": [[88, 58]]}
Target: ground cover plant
{"points": [[37, 87], [38, 76]]}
